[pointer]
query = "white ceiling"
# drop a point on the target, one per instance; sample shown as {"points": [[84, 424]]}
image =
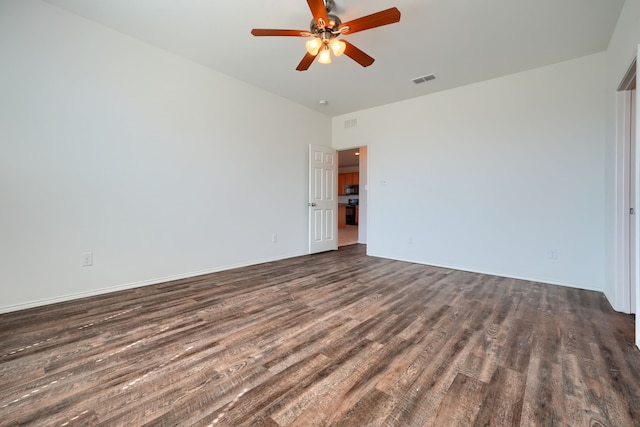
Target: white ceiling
{"points": [[460, 41], [348, 158]]}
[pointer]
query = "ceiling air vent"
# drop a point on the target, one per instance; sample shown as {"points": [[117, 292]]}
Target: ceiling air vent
{"points": [[423, 79]]}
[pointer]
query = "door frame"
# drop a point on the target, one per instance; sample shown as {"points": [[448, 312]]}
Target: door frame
{"points": [[624, 183], [363, 193]]}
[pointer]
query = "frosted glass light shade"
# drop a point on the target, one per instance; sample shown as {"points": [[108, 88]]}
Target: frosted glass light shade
{"points": [[338, 46], [313, 46], [325, 56]]}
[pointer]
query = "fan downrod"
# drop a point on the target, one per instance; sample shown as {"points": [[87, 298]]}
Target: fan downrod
{"points": [[329, 5]]}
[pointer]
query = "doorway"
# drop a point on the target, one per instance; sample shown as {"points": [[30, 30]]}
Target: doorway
{"points": [[352, 196]]}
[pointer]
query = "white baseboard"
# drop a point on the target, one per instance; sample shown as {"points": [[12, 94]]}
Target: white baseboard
{"points": [[489, 273], [133, 285]]}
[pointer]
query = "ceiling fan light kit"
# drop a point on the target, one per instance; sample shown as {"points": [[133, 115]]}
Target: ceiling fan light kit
{"points": [[325, 30]]}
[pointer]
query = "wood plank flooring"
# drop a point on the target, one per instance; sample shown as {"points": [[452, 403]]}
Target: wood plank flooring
{"points": [[330, 339]]}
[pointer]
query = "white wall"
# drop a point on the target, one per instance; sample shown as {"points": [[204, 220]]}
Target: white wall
{"points": [[493, 177], [158, 166]]}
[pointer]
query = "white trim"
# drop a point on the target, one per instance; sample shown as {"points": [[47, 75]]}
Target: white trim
{"points": [[133, 285], [629, 77]]}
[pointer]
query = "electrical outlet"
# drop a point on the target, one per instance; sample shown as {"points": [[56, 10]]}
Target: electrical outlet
{"points": [[274, 238], [87, 259], [553, 254]]}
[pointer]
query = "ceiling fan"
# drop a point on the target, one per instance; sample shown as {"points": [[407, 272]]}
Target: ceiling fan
{"points": [[325, 30]]}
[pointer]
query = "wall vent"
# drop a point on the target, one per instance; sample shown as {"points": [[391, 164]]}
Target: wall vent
{"points": [[423, 79], [351, 123]]}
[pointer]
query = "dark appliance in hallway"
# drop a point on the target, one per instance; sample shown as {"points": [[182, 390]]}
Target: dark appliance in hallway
{"points": [[351, 212], [350, 189]]}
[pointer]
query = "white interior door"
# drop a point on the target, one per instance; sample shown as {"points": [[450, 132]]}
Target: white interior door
{"points": [[633, 222], [628, 214], [635, 119], [323, 200]]}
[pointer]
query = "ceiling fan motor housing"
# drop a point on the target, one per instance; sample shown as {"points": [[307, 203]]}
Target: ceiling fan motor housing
{"points": [[331, 26]]}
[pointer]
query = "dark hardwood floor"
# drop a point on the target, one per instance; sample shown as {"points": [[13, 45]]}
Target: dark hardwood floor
{"points": [[330, 339]]}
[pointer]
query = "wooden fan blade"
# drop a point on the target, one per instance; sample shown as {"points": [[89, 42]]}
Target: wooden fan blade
{"points": [[378, 19], [318, 10], [306, 62], [357, 55], [286, 33]]}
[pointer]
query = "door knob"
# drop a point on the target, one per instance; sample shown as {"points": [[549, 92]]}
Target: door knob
{"points": [[312, 204]]}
